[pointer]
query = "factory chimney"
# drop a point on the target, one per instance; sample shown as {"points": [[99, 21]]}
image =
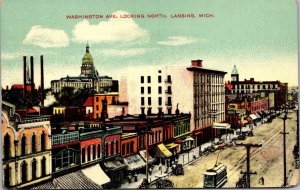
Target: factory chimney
{"points": [[32, 79], [24, 77], [42, 80]]}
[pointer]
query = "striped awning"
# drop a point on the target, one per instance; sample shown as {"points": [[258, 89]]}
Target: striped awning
{"points": [[96, 174], [134, 162], [143, 155]]}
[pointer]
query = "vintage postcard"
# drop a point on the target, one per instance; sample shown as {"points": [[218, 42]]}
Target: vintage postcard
{"points": [[123, 94]]}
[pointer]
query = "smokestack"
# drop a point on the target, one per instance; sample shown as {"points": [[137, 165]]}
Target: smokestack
{"points": [[32, 79], [42, 80], [24, 77]]}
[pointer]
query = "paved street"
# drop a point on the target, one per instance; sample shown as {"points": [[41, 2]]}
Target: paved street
{"points": [[267, 160]]}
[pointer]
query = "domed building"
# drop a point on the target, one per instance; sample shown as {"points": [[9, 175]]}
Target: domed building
{"points": [[88, 78]]}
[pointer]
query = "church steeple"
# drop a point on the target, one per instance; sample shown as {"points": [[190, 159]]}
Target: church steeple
{"points": [[234, 74]]}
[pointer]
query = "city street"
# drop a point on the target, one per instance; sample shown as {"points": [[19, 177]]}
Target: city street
{"points": [[267, 160]]}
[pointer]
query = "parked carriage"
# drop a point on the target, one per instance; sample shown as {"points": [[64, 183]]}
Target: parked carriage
{"points": [[215, 177]]}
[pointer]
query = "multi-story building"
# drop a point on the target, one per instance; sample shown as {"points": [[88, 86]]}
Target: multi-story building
{"points": [[252, 88], [195, 89], [26, 157], [89, 78]]}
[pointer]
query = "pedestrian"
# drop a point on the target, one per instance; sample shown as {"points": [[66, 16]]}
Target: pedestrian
{"points": [[262, 180], [135, 177], [150, 170], [129, 178], [159, 166]]}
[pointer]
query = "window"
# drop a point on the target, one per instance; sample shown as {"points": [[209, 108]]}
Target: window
{"points": [[142, 79], [97, 107], [33, 169], [43, 141], [89, 153], [24, 172], [149, 90], [149, 100], [142, 90], [159, 90], [128, 148], [7, 146], [131, 147], [97, 99], [159, 79], [159, 71], [117, 146], [99, 151], [123, 149], [7, 177], [106, 149], [33, 142], [83, 155], [159, 101], [112, 148], [149, 79], [94, 152], [43, 166], [142, 101], [23, 145], [169, 78]]}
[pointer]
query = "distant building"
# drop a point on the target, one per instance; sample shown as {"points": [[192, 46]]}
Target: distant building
{"points": [[195, 89], [88, 78], [26, 157], [251, 88], [105, 105]]}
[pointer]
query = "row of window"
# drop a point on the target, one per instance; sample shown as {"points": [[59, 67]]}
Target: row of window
{"points": [[159, 79], [91, 149], [24, 171], [168, 102], [7, 145], [263, 86], [168, 91]]}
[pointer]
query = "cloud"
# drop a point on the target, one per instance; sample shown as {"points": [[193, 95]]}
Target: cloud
{"points": [[11, 56], [113, 30], [46, 37], [178, 40], [126, 52]]}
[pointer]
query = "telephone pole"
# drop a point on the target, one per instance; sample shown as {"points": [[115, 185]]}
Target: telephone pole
{"points": [[248, 173], [284, 133]]}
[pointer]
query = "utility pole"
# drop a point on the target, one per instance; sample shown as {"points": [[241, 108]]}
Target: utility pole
{"points": [[284, 133], [248, 173]]}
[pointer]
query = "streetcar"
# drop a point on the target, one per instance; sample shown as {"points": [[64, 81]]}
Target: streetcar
{"points": [[215, 177]]}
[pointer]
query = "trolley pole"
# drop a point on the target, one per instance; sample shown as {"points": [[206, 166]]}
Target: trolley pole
{"points": [[248, 173]]}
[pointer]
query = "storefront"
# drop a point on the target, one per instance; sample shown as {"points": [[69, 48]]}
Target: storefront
{"points": [[163, 154], [222, 128], [115, 171]]}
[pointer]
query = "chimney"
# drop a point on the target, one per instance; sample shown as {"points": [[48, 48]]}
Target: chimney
{"points": [[197, 63], [42, 80], [32, 79], [24, 77]]}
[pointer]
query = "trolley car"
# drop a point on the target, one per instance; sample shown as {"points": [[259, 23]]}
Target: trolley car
{"points": [[215, 177]]}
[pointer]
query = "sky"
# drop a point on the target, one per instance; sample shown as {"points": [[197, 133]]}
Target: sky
{"points": [[258, 36]]}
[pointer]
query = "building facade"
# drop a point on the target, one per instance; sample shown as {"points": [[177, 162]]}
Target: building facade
{"points": [[88, 78], [163, 90], [26, 157]]}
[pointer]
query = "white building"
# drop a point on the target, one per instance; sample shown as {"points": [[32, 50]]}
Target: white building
{"points": [[196, 90]]}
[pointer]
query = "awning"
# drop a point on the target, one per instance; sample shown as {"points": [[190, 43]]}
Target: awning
{"points": [[163, 149], [221, 125], [171, 145], [96, 174], [253, 116], [150, 158], [75, 180], [258, 116], [134, 162], [114, 165], [189, 139]]}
